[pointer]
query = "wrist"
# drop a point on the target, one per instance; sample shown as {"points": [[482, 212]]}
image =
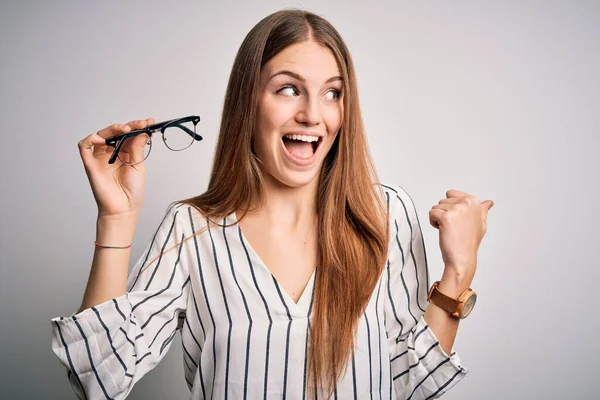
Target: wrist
{"points": [[115, 232], [452, 284]]}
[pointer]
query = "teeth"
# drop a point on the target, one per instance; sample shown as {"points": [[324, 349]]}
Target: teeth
{"points": [[304, 138]]}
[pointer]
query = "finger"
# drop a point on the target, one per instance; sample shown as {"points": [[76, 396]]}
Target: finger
{"points": [[443, 207], [455, 193], [113, 130], [88, 144], [135, 142], [435, 218], [138, 124], [134, 148], [452, 200]]}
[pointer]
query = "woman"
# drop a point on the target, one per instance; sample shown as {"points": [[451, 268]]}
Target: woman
{"points": [[295, 274]]}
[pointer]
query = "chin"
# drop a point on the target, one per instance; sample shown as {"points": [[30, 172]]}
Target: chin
{"points": [[296, 179]]}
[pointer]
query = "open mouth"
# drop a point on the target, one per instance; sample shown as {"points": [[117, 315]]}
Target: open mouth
{"points": [[302, 148]]}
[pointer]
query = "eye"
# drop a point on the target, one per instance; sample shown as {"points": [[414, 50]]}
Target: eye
{"points": [[337, 94], [292, 91], [288, 88]]}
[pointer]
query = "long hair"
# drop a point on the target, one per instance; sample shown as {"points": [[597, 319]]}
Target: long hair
{"points": [[352, 221]]}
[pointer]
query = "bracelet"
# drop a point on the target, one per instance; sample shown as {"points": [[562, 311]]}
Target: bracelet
{"points": [[110, 247]]}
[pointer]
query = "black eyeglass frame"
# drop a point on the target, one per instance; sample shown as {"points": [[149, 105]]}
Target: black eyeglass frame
{"points": [[118, 140]]}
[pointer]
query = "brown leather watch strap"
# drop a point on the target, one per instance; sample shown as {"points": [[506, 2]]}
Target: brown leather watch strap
{"points": [[441, 300]]}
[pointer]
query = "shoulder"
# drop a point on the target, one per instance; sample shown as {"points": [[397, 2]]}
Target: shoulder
{"points": [[391, 189], [186, 216], [397, 199]]}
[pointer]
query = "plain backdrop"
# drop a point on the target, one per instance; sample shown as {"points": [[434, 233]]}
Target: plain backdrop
{"points": [[498, 99]]}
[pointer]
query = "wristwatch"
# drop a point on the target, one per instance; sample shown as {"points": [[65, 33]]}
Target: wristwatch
{"points": [[459, 308]]}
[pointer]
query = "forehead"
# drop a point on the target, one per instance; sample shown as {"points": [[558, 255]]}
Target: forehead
{"points": [[310, 60]]}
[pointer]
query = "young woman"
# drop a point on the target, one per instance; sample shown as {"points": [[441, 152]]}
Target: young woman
{"points": [[296, 274]]}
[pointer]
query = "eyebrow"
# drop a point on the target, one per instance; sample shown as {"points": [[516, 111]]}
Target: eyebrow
{"points": [[300, 78]]}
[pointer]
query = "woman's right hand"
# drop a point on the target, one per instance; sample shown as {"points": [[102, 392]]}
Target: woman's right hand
{"points": [[118, 189]]}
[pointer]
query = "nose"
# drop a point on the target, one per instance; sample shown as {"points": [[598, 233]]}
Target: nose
{"points": [[309, 112]]}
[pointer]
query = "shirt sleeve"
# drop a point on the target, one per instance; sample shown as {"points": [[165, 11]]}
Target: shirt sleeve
{"points": [[109, 347], [420, 368]]}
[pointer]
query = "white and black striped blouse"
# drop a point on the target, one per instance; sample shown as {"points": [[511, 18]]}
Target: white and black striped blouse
{"points": [[242, 335]]}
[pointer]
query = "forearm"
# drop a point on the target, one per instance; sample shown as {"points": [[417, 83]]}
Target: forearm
{"points": [[443, 325], [108, 274]]}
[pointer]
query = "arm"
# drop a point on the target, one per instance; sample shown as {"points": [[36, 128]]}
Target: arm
{"points": [[443, 325], [462, 222], [421, 367], [109, 346], [108, 274]]}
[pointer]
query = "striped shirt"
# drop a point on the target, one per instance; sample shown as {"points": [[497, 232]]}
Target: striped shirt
{"points": [[242, 335]]}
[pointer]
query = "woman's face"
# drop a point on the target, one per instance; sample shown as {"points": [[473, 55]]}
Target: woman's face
{"points": [[300, 111]]}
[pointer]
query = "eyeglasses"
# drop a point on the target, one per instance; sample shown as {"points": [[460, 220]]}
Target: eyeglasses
{"points": [[177, 134]]}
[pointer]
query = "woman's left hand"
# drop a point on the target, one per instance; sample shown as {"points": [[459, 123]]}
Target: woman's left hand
{"points": [[462, 221]]}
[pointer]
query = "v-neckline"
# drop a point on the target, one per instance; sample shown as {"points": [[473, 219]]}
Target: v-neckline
{"points": [[302, 307]]}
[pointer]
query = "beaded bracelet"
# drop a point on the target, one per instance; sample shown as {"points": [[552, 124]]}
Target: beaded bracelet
{"points": [[110, 247]]}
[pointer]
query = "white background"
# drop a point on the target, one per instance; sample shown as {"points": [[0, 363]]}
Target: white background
{"points": [[498, 99]]}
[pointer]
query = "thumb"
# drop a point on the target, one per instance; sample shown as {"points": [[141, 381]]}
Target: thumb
{"points": [[487, 205]]}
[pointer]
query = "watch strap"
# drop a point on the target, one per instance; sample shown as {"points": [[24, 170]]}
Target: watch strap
{"points": [[441, 300]]}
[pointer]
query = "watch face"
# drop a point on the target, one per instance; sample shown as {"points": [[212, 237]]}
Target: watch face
{"points": [[469, 304]]}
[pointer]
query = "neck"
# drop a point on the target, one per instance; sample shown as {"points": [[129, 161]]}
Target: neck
{"points": [[288, 207]]}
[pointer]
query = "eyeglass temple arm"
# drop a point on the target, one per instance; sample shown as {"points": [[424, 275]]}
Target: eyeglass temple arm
{"points": [[189, 131], [117, 142], [113, 141], [115, 153]]}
